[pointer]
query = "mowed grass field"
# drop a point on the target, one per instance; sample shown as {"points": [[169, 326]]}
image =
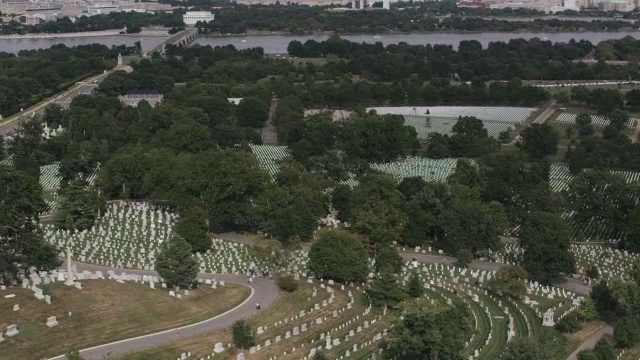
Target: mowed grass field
{"points": [[286, 305], [103, 311]]}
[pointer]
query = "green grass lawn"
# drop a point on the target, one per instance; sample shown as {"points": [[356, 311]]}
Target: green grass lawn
{"points": [[103, 311]]}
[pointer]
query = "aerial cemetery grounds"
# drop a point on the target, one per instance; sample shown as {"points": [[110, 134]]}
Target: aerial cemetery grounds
{"points": [[50, 313], [266, 209]]}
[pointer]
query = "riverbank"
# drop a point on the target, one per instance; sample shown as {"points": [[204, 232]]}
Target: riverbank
{"points": [[395, 33], [278, 44]]}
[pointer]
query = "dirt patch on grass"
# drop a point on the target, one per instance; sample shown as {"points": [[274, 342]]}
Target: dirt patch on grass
{"points": [[588, 329], [103, 311]]}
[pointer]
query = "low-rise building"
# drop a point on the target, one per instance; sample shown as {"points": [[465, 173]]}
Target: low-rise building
{"points": [[132, 98], [190, 18], [101, 9]]}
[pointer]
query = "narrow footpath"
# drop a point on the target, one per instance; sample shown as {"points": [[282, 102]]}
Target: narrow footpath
{"points": [[269, 133], [591, 342], [542, 117]]}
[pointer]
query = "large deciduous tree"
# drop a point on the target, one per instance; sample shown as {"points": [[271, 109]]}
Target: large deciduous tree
{"points": [[289, 209], [340, 256], [377, 211], [429, 332], [600, 197], [471, 224], [583, 123], [519, 184], [540, 140], [470, 138], [223, 183], [510, 280], [546, 240], [376, 138], [252, 112]]}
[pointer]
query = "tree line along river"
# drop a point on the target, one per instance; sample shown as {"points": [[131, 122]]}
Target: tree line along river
{"points": [[277, 44]]}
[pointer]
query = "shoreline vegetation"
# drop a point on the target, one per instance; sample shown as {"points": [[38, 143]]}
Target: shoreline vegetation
{"points": [[391, 32], [157, 33], [242, 20]]}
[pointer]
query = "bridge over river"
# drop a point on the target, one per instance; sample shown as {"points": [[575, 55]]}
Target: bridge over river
{"points": [[182, 38]]}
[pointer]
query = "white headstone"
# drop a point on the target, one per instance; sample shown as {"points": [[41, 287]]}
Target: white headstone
{"points": [[52, 321], [218, 348], [12, 330]]}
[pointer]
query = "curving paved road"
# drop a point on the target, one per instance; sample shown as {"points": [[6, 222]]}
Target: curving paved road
{"points": [[263, 291]]}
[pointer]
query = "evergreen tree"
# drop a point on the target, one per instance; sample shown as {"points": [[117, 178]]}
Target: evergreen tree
{"points": [[242, 335], [192, 226], [175, 263], [80, 207], [415, 288], [587, 310], [627, 333], [385, 291], [21, 241]]}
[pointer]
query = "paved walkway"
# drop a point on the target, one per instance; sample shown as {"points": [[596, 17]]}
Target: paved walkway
{"points": [[263, 291], [269, 132], [541, 118], [591, 342]]}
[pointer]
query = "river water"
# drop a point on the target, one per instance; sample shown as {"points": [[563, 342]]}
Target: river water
{"points": [[277, 44]]}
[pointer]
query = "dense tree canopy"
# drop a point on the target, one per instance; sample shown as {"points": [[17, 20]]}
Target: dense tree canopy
{"points": [[338, 255], [429, 332], [35, 74], [175, 263], [540, 141], [601, 197], [21, 243], [546, 238]]}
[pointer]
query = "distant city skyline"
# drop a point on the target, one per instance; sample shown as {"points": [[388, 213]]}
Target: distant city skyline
{"points": [[553, 5]]}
